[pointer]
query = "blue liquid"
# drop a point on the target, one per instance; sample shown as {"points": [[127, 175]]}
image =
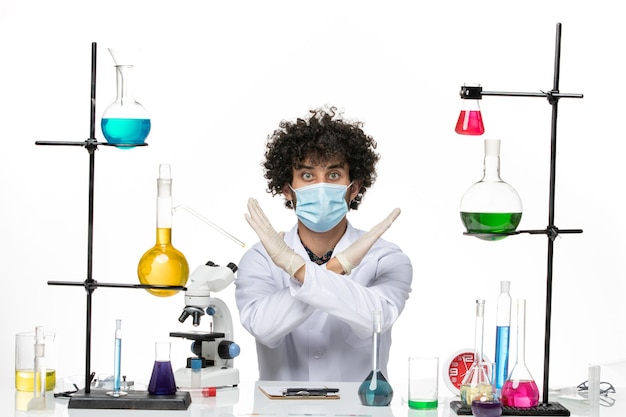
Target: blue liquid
{"points": [[502, 355], [117, 365], [375, 390], [162, 381], [125, 131]]}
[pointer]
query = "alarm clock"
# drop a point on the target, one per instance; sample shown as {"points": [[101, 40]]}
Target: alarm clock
{"points": [[456, 367]]}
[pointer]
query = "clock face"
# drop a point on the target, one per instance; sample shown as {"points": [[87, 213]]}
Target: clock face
{"points": [[455, 368]]}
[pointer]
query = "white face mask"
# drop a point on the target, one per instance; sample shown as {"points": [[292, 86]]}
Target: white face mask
{"points": [[321, 206]]}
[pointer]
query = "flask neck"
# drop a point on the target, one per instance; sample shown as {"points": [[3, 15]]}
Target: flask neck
{"points": [[164, 235], [164, 203], [124, 82], [521, 331], [492, 168], [478, 331], [375, 349]]}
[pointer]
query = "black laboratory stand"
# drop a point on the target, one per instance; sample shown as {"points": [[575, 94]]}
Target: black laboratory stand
{"points": [[86, 398], [551, 231]]}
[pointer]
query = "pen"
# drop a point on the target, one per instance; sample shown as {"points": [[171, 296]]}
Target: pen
{"points": [[310, 392]]}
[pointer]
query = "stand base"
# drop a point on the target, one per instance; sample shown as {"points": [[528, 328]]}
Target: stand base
{"points": [[135, 400], [543, 409]]}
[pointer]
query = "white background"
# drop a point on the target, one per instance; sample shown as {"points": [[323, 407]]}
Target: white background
{"points": [[217, 78]]}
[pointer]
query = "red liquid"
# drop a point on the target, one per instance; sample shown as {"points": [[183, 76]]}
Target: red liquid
{"points": [[162, 381], [470, 123], [523, 394]]}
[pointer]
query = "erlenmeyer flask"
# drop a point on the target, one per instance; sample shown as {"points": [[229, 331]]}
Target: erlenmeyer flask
{"points": [[162, 381], [476, 384], [491, 208], [125, 122], [163, 264], [470, 121], [520, 389], [375, 390]]}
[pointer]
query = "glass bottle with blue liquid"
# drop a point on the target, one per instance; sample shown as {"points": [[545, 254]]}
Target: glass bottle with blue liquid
{"points": [[376, 390], [125, 122]]}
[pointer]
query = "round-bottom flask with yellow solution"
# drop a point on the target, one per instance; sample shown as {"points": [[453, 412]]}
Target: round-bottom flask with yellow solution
{"points": [[163, 264]]}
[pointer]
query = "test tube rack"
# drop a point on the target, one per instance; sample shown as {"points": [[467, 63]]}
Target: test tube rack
{"points": [[551, 231], [87, 398]]}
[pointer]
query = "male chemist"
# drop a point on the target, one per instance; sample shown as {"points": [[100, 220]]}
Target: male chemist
{"points": [[309, 296]]}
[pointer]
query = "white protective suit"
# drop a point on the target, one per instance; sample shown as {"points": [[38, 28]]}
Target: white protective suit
{"points": [[321, 330]]}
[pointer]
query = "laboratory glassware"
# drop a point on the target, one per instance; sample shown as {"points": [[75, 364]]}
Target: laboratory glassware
{"points": [[117, 361], [423, 383], [491, 208], [470, 121], [163, 264], [125, 122], [520, 389], [162, 381], [38, 402], [476, 384], [375, 390], [503, 332], [25, 358]]}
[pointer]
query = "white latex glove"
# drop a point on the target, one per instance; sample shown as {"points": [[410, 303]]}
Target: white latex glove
{"points": [[283, 256], [354, 254]]}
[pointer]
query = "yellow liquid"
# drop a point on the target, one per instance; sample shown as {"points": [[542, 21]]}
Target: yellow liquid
{"points": [[163, 264], [470, 393], [25, 379]]}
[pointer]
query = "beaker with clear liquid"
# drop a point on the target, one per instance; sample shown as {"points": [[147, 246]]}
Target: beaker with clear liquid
{"points": [[163, 264], [491, 208], [125, 122], [520, 389]]}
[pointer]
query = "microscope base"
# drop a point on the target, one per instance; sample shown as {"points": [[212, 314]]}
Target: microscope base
{"points": [[210, 377]]}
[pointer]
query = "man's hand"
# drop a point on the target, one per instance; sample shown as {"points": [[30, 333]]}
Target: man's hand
{"points": [[282, 255], [354, 254]]}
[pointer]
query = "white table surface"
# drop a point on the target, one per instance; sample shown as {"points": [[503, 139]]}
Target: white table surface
{"points": [[247, 400]]}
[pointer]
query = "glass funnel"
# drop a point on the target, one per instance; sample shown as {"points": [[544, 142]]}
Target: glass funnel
{"points": [[520, 389], [476, 384], [125, 122], [375, 390], [163, 264], [491, 208]]}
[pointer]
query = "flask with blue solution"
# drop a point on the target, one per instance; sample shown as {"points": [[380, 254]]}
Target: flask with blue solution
{"points": [[503, 331], [125, 122], [376, 390], [162, 381]]}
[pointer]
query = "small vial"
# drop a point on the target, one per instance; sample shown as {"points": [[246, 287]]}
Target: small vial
{"points": [[196, 372]]}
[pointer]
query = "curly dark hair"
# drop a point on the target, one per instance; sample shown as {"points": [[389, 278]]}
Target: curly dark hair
{"points": [[321, 137]]}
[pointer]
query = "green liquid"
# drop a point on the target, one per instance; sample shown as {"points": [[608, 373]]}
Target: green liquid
{"points": [[423, 405], [491, 223]]}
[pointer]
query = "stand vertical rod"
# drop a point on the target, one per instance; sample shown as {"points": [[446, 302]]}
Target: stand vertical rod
{"points": [[91, 147], [551, 229]]}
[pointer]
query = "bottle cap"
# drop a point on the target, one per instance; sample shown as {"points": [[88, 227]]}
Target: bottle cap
{"points": [[209, 392], [196, 363]]}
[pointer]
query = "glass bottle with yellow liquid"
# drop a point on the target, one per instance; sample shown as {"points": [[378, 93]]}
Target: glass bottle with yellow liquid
{"points": [[163, 264]]}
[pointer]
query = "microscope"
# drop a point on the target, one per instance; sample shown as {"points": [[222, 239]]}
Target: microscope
{"points": [[214, 350]]}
